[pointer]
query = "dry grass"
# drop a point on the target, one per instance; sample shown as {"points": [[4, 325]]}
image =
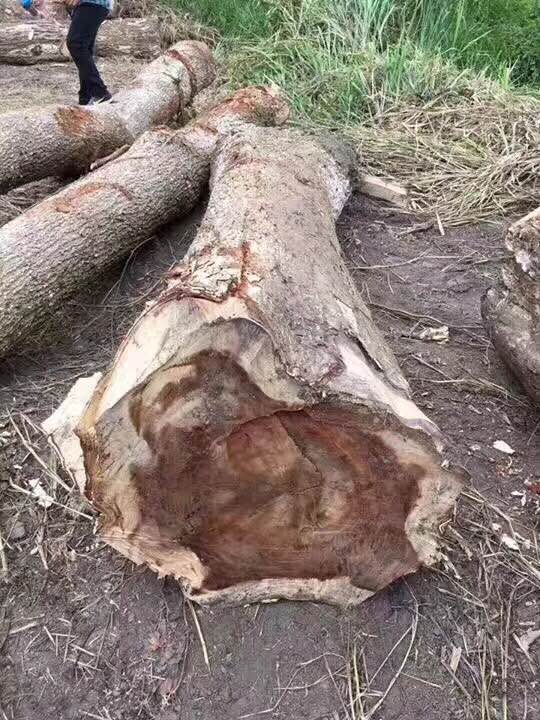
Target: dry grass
{"points": [[493, 567], [464, 161], [20, 199]]}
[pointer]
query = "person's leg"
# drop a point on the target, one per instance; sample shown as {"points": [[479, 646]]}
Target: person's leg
{"points": [[85, 23]]}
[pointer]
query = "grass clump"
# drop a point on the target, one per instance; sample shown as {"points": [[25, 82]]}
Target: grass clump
{"points": [[426, 89]]}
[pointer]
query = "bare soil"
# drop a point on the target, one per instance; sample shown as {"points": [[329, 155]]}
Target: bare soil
{"points": [[85, 634], [23, 86]]}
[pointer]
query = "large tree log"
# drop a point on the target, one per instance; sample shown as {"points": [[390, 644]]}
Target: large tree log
{"points": [[511, 310], [29, 43], [64, 141], [53, 248], [254, 437]]}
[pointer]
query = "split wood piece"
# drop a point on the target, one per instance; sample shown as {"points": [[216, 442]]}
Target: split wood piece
{"points": [[63, 141], [380, 189], [254, 437], [29, 43], [511, 310], [47, 253]]}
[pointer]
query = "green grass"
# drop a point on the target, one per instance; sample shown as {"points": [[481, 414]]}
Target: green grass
{"points": [[342, 60], [386, 72], [501, 37]]}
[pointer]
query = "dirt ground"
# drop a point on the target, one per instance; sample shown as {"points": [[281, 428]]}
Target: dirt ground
{"points": [[85, 634], [24, 86]]}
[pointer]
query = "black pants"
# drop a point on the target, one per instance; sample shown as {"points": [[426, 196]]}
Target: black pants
{"points": [[81, 39]]}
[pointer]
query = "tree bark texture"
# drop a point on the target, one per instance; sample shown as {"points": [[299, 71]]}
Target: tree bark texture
{"points": [[29, 43], [254, 437], [65, 140], [511, 310], [53, 248]]}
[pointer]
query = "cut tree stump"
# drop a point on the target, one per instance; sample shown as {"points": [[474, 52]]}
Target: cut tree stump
{"points": [[511, 310], [254, 437], [47, 253], [65, 140], [376, 187], [29, 43]]}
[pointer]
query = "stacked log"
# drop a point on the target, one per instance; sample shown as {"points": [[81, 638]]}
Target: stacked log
{"points": [[254, 437], [98, 220], [64, 141], [29, 43]]}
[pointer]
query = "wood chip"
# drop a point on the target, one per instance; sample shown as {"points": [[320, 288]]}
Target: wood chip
{"points": [[455, 658]]}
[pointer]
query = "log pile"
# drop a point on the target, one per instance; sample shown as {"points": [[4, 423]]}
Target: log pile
{"points": [[254, 437], [511, 310], [98, 220], [29, 43], [64, 141]]}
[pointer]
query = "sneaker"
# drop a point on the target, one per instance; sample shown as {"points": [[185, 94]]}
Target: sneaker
{"points": [[97, 101]]}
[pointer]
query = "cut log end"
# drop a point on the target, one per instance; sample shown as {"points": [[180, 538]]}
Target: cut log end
{"points": [[234, 485]]}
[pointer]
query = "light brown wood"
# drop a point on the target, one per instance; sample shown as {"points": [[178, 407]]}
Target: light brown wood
{"points": [[254, 437], [381, 189], [65, 140], [29, 43], [61, 243], [511, 310]]}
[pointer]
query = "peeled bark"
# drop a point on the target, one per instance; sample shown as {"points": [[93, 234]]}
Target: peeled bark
{"points": [[47, 253], [64, 140], [30, 43], [511, 310], [254, 437]]}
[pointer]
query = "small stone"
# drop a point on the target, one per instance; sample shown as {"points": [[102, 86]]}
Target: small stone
{"points": [[18, 531], [503, 447]]}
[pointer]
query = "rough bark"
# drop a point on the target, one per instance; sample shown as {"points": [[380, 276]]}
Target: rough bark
{"points": [[511, 310], [254, 437], [49, 251], [30, 43], [64, 141]]}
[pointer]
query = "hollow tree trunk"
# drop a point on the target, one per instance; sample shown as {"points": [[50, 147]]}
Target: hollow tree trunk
{"points": [[511, 310], [64, 141], [254, 437], [29, 43], [53, 248]]}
